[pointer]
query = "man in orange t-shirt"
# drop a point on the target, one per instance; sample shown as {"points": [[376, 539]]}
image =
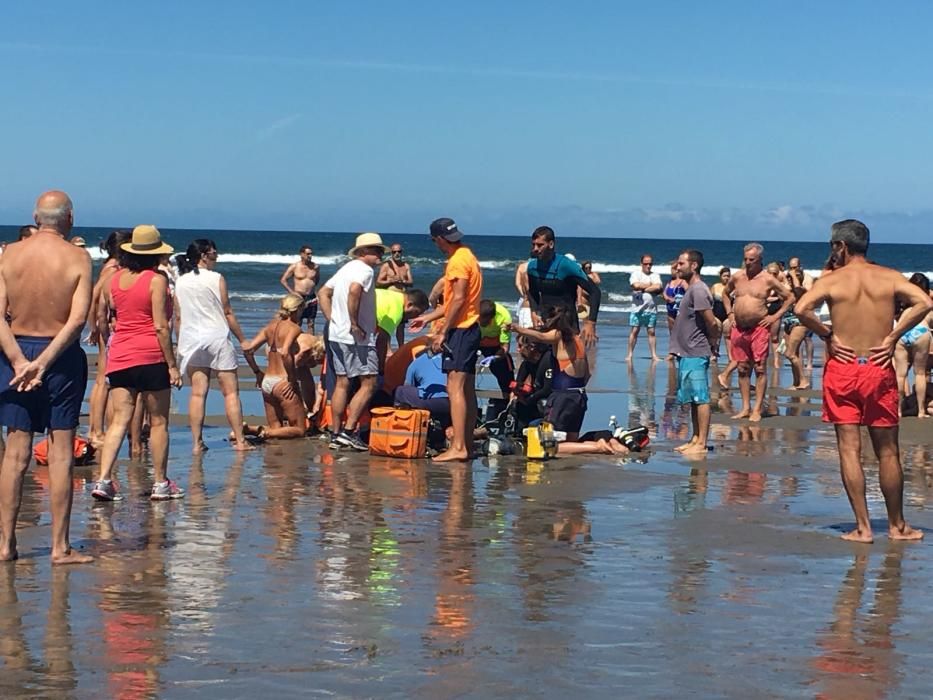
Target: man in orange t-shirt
{"points": [[459, 334]]}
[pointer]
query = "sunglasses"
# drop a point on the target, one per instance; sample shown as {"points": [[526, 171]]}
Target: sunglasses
{"points": [[397, 252]]}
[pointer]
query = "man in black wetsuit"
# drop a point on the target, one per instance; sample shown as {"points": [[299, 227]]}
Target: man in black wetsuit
{"points": [[553, 280]]}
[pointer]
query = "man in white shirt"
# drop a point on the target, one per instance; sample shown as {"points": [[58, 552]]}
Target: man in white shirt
{"points": [[348, 302], [645, 283]]}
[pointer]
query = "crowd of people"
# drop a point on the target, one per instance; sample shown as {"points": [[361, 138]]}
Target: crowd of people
{"points": [[144, 301]]}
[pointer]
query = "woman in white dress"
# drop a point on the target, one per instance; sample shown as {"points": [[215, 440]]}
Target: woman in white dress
{"points": [[204, 321]]}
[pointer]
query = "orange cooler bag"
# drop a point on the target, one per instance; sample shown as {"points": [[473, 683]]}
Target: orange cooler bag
{"points": [[399, 432]]}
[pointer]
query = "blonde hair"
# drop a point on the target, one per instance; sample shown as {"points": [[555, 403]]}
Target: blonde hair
{"points": [[289, 305], [312, 346]]}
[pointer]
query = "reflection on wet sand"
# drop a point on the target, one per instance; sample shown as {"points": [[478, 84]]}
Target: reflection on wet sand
{"points": [[858, 657], [295, 569]]}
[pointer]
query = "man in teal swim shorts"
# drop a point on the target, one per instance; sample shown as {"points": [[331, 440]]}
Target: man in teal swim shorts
{"points": [[694, 335]]}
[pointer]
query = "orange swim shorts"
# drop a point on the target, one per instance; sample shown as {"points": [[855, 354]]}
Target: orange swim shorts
{"points": [[860, 393], [750, 344]]}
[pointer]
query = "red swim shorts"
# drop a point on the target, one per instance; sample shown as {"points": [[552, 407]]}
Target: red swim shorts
{"points": [[860, 393], [750, 344]]}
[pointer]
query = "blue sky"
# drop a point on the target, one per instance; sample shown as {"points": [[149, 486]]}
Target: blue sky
{"points": [[606, 118]]}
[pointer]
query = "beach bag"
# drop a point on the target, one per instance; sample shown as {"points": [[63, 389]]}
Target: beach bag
{"points": [[83, 451], [399, 432]]}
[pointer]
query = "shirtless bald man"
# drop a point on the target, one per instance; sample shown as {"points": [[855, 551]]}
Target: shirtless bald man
{"points": [[45, 283], [751, 332], [859, 384]]}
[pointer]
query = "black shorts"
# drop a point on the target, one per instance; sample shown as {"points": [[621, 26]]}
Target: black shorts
{"points": [[141, 378], [310, 310], [565, 410], [53, 405], [460, 348], [774, 307]]}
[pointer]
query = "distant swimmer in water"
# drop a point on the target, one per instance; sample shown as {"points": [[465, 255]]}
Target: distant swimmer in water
{"points": [[306, 274], [859, 384], [45, 287]]}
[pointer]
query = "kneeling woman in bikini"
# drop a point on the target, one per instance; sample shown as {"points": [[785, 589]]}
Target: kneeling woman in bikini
{"points": [[281, 392], [566, 405]]}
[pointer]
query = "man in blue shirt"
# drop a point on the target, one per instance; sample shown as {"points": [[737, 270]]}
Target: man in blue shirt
{"points": [[425, 386], [553, 280]]}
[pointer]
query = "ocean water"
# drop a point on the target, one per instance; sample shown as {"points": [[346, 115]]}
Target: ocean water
{"points": [[253, 261]]}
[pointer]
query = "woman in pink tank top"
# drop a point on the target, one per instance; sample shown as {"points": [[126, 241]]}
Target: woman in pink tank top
{"points": [[140, 360]]}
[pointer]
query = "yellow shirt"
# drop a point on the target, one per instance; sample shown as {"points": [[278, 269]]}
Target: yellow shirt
{"points": [[462, 265], [495, 333]]}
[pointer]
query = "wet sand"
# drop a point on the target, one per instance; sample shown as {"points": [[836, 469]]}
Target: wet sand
{"points": [[296, 571]]}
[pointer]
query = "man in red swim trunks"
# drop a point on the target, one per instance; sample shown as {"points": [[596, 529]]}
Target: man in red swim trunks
{"points": [[859, 385], [751, 332]]}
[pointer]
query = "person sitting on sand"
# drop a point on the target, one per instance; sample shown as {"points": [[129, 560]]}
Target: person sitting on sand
{"points": [[204, 321], [859, 383], [281, 393], [567, 403]]}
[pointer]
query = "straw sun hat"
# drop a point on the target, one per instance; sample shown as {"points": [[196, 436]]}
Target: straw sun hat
{"points": [[147, 241], [367, 240]]}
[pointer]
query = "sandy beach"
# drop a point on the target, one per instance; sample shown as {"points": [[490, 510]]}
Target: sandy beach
{"points": [[295, 571]]}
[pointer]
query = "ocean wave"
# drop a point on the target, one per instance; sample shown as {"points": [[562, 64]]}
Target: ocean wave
{"points": [[283, 260]]}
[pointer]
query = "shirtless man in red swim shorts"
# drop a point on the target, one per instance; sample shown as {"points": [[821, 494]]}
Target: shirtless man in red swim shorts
{"points": [[751, 332], [859, 384]]}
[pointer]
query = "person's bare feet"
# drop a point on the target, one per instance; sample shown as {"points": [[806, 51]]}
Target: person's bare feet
{"points": [[70, 557], [628, 358], [803, 386], [755, 417], [655, 358], [859, 536], [923, 415], [452, 456], [10, 553], [723, 384], [904, 532], [686, 446], [741, 414], [694, 448], [200, 447], [243, 446]]}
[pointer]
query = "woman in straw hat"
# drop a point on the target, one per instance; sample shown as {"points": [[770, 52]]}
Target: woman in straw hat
{"points": [[281, 390], [140, 360]]}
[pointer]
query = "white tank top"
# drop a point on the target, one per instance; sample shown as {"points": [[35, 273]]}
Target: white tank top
{"points": [[202, 312]]}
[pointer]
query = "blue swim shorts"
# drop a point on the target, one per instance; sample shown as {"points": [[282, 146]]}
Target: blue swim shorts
{"points": [[693, 380], [645, 319], [56, 404]]}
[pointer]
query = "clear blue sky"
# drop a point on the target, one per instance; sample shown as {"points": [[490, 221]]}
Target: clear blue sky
{"points": [[605, 117]]}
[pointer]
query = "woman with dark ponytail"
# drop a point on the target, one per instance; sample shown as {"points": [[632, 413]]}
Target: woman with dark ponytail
{"points": [[205, 320]]}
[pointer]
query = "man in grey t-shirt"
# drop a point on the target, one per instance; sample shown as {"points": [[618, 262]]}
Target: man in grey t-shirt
{"points": [[695, 333]]}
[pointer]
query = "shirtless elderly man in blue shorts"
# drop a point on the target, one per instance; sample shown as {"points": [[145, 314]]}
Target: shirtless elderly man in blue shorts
{"points": [[45, 285]]}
